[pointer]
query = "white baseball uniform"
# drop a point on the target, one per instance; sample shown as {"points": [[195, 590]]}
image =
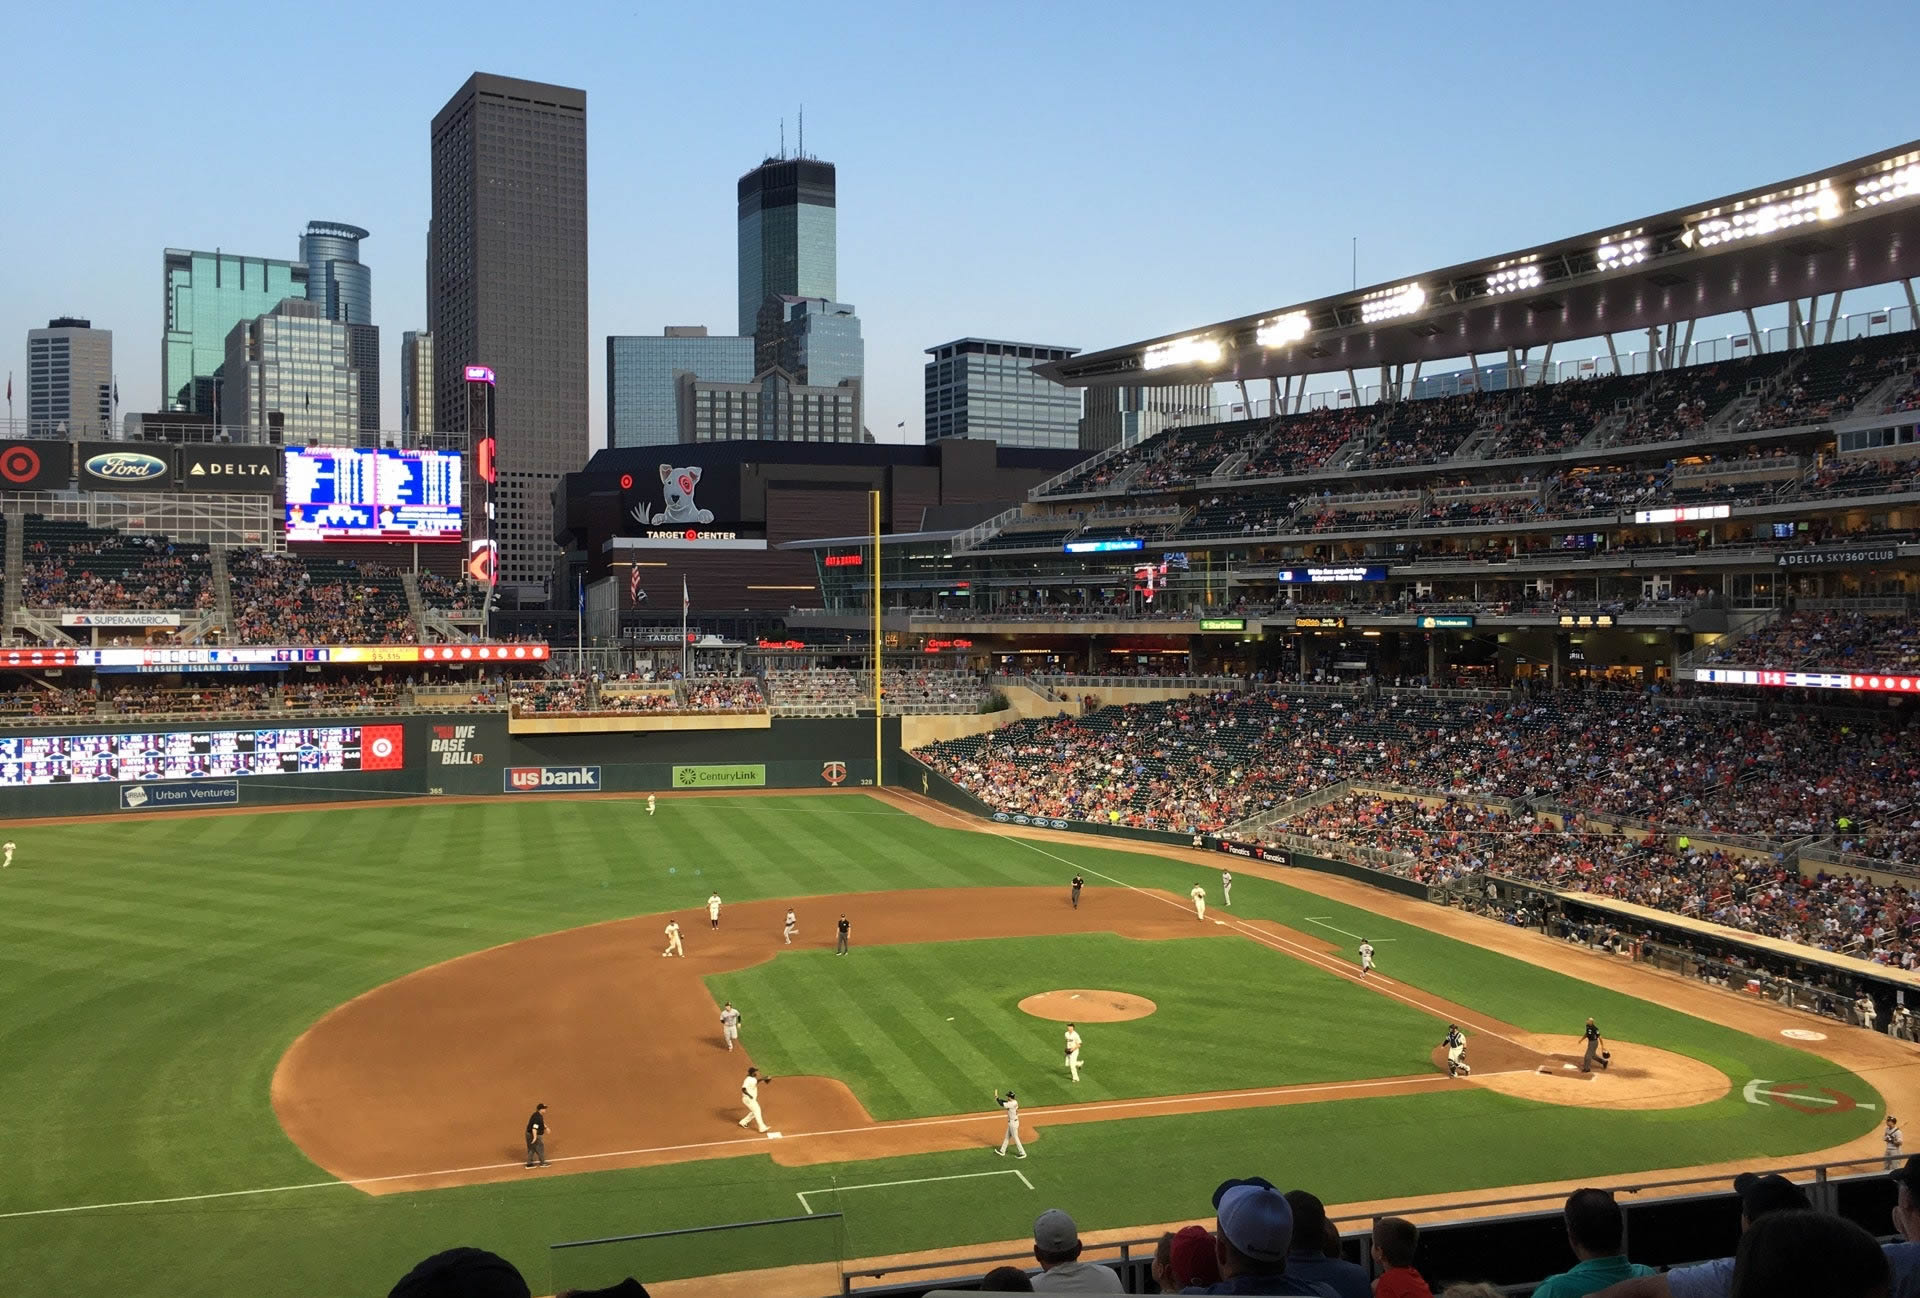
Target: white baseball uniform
{"points": [[713, 910], [1457, 1065], [1894, 1140], [730, 1025], [672, 931], [750, 1096], [1226, 886], [1366, 957], [1012, 1106], [9, 861], [1073, 1054], [650, 804], [1199, 896], [793, 926]]}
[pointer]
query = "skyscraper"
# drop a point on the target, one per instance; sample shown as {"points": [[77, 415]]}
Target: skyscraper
{"points": [[291, 372], [816, 341], [642, 374], [207, 294], [787, 234], [70, 377], [342, 288], [986, 389], [416, 381], [507, 288]]}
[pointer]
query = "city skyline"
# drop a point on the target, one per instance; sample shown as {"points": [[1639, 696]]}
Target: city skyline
{"points": [[1033, 223]]}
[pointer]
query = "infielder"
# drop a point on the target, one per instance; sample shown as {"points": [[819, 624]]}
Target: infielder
{"points": [[1893, 1140], [750, 1095], [1073, 1052], [1366, 956], [729, 1025], [1456, 1044], [650, 804], [713, 910], [8, 849], [1012, 1106], [672, 931], [1199, 896], [1077, 884], [793, 926], [1226, 887]]}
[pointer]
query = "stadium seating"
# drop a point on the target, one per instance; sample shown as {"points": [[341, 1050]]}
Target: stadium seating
{"points": [[72, 566], [1830, 640], [288, 598]]}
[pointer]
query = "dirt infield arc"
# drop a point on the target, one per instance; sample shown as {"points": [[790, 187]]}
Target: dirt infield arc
{"points": [[438, 1070]]}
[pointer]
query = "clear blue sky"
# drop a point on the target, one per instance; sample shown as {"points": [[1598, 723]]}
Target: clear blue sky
{"points": [[1084, 174]]}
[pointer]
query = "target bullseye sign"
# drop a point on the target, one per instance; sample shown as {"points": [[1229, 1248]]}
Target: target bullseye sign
{"points": [[35, 466]]}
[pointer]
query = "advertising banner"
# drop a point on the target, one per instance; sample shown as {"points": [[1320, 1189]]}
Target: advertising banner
{"points": [[551, 779], [119, 619], [127, 466], [740, 775], [229, 469], [35, 466], [1831, 557], [168, 797]]}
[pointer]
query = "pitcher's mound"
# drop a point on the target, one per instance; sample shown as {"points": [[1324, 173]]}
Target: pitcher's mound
{"points": [[1638, 1077], [1079, 1005]]}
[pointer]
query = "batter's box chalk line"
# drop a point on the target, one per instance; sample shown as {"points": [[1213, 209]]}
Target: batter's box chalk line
{"points": [[803, 1195]]}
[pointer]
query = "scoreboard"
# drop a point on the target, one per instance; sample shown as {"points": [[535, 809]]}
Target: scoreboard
{"points": [[28, 760], [337, 493]]}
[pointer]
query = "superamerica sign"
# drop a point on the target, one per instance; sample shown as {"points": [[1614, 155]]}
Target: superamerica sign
{"points": [[1785, 680]]}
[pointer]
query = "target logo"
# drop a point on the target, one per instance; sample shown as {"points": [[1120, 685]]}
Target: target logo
{"points": [[381, 748], [20, 465]]}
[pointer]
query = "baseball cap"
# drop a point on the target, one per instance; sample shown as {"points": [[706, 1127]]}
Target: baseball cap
{"points": [[1192, 1258], [1909, 1175], [462, 1273], [1760, 1195], [1255, 1219], [1054, 1232]]}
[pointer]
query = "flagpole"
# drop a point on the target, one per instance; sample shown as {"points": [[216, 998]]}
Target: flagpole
{"points": [[879, 762], [685, 601], [580, 614]]}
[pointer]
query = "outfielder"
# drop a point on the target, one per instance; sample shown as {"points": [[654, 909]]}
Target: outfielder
{"points": [[1456, 1044], [1012, 1106], [793, 926], [672, 931], [8, 849], [1893, 1140], [750, 1096], [1366, 956], [650, 804], [1073, 1052], [1226, 887], [729, 1025], [713, 910], [1199, 896]]}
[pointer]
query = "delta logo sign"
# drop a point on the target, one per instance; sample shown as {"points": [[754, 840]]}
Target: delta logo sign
{"points": [[553, 779]]}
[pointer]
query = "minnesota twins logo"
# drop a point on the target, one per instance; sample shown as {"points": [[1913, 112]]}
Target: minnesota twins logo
{"points": [[834, 773]]}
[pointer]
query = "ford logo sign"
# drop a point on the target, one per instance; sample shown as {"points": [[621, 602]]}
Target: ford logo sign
{"points": [[126, 466]]}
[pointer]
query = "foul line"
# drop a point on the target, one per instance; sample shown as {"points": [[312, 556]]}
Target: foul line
{"points": [[1321, 920], [801, 1195]]}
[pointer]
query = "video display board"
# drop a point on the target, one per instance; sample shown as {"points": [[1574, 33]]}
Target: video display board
{"points": [[337, 493], [28, 760]]}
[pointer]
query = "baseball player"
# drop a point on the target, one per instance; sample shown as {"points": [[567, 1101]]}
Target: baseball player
{"points": [[1073, 1052], [1456, 1044], [1893, 1140], [750, 1095], [1012, 1106], [651, 803], [1199, 896], [713, 910], [1366, 956], [537, 1137], [1077, 884], [793, 926], [672, 931], [8, 849], [1226, 887], [729, 1025]]}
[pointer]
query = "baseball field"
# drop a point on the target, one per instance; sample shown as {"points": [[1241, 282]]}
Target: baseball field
{"points": [[293, 1051]]}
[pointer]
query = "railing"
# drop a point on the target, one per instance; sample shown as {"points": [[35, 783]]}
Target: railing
{"points": [[1833, 859], [1484, 490], [1141, 682], [981, 531], [1086, 466]]}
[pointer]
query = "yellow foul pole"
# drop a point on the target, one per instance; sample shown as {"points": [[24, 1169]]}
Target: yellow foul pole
{"points": [[879, 758]]}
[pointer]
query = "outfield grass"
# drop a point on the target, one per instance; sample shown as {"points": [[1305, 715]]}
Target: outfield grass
{"points": [[155, 970], [915, 1029]]}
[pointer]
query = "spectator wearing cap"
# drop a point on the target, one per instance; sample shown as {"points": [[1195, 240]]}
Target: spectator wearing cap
{"points": [[462, 1273], [1255, 1231], [1308, 1259], [1595, 1229], [1793, 1254], [1759, 1195], [1395, 1240], [1056, 1247], [1192, 1261]]}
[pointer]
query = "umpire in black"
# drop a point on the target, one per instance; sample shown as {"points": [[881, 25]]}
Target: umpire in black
{"points": [[537, 1136], [1595, 1055]]}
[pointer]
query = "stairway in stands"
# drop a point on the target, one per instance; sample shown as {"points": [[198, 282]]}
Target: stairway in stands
{"points": [[16, 570]]}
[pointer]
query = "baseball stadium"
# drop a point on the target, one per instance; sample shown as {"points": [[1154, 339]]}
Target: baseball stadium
{"points": [[1489, 777]]}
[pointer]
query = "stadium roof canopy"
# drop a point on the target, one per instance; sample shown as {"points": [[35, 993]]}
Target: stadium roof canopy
{"points": [[1846, 226]]}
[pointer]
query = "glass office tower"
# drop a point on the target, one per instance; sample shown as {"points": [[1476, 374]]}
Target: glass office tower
{"points": [[290, 371], [787, 233], [207, 294], [641, 373], [985, 388]]}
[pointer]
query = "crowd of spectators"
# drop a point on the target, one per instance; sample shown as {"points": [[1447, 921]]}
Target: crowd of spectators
{"points": [[280, 599], [1423, 432], [550, 694], [1829, 640], [106, 570], [723, 694], [456, 598]]}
